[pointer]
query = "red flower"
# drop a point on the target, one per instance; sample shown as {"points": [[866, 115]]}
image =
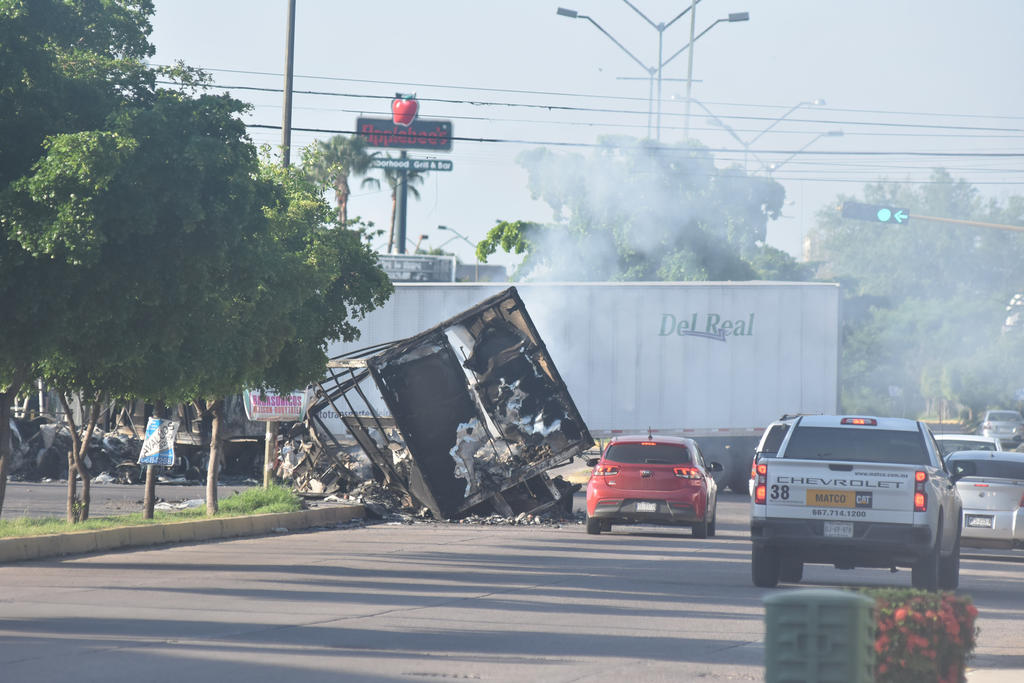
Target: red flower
{"points": [[900, 614]]}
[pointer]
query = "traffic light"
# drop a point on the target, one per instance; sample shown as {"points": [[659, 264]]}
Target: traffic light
{"points": [[875, 213]]}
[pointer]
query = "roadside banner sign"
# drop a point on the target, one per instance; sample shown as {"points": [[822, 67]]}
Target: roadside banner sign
{"points": [[158, 446], [268, 407]]}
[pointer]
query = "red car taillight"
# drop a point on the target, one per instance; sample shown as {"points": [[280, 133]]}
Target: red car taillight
{"points": [[1021, 503], [687, 472], [605, 471], [920, 497], [761, 489]]}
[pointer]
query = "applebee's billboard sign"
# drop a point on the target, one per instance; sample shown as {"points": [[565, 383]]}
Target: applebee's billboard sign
{"points": [[403, 130]]}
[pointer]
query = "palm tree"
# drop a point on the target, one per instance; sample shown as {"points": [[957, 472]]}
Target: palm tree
{"points": [[393, 177], [333, 161]]}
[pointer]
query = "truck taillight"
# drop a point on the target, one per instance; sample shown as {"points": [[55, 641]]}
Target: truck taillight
{"points": [[687, 472], [1021, 503], [920, 497], [761, 488]]}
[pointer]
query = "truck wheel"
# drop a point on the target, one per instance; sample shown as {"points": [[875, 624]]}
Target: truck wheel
{"points": [[791, 571], [593, 525], [949, 569], [925, 573], [764, 567]]}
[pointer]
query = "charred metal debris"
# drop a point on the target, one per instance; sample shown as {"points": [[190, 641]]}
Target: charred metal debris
{"points": [[462, 420]]}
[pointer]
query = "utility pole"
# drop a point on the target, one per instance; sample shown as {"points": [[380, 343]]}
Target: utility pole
{"points": [[289, 64], [270, 436]]}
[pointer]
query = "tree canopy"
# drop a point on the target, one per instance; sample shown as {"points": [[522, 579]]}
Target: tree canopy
{"points": [[926, 302], [640, 210], [146, 250]]}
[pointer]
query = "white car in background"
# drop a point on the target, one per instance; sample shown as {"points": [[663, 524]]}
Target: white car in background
{"points": [[951, 443], [992, 490], [1004, 425]]}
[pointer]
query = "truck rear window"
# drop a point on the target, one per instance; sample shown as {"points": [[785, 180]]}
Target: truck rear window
{"points": [[857, 445], [656, 454]]}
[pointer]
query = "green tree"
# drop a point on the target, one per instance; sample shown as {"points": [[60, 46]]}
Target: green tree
{"points": [[184, 268], [925, 302], [65, 67], [637, 210], [333, 161]]}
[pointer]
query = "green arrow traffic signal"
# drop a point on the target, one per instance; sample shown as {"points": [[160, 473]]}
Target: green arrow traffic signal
{"points": [[875, 213]]}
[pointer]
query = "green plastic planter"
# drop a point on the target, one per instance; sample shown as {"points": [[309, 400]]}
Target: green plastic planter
{"points": [[819, 636]]}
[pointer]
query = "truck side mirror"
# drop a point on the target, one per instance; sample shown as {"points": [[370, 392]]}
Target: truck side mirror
{"points": [[715, 467]]}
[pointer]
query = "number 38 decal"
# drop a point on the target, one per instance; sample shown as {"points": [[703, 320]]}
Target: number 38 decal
{"points": [[779, 492]]}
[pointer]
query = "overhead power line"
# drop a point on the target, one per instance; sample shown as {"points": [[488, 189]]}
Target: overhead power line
{"points": [[605, 110], [564, 143], [546, 93]]}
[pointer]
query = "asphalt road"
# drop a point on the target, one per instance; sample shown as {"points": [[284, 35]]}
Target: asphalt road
{"points": [[430, 601]]}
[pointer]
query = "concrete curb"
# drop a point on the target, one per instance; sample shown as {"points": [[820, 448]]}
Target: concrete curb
{"points": [[23, 548]]}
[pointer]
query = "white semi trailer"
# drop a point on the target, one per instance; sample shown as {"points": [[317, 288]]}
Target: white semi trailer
{"points": [[717, 361]]}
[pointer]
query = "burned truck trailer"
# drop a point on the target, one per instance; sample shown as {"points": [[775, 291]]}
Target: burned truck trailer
{"points": [[465, 416]]}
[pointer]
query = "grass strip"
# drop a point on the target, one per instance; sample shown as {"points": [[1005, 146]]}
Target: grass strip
{"points": [[254, 501]]}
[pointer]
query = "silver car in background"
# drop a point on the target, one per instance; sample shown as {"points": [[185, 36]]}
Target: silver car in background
{"points": [[1005, 425], [951, 443], [992, 491]]}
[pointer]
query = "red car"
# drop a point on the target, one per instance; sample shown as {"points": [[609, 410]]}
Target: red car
{"points": [[652, 480]]}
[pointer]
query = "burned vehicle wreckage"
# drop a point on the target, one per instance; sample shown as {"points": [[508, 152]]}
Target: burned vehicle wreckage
{"points": [[464, 418]]}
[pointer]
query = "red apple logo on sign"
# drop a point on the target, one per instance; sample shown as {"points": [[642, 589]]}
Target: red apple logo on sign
{"points": [[403, 110]]}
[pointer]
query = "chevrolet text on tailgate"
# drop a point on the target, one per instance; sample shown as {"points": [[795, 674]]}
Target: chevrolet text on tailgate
{"points": [[856, 492]]}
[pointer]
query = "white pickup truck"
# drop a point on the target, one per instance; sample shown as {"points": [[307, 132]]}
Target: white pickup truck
{"points": [[856, 492]]}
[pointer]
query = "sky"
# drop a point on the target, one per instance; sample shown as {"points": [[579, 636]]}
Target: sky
{"points": [[911, 84]]}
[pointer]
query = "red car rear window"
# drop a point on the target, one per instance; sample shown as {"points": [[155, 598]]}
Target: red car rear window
{"points": [[652, 454]]}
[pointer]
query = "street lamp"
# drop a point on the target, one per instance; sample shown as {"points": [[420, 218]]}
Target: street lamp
{"points": [[811, 103], [459, 235], [653, 71], [733, 17], [747, 143], [771, 168]]}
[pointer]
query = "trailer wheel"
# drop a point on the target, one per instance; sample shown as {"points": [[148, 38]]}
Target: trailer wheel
{"points": [[740, 482], [593, 526]]}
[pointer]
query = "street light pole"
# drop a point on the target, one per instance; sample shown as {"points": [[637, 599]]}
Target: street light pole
{"points": [[652, 71], [476, 260], [771, 168]]}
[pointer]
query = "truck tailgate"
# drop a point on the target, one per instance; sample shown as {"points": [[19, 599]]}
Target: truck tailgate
{"points": [[813, 489]]}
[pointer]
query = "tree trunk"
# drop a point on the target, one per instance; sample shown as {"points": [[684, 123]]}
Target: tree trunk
{"points": [[6, 398], [341, 193], [391, 231], [216, 408], [78, 509]]}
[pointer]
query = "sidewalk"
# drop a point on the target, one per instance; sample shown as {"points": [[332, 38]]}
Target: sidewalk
{"points": [[995, 675]]}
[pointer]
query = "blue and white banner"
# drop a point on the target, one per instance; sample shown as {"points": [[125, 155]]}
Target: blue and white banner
{"points": [[158, 447]]}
